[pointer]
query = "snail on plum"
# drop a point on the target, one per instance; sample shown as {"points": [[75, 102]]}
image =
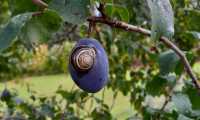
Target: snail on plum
{"points": [[88, 65]]}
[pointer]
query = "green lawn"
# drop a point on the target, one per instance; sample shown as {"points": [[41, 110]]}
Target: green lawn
{"points": [[47, 85]]}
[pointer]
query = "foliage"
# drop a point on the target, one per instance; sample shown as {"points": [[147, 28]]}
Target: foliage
{"points": [[18, 61], [152, 78]]}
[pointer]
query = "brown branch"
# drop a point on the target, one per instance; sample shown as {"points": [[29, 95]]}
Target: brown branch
{"points": [[170, 92], [40, 3], [38, 13], [171, 45]]}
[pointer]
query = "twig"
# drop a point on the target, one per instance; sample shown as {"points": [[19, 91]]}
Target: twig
{"points": [[91, 104], [170, 92], [40, 3], [113, 99], [38, 13], [103, 95], [168, 99], [171, 45]]}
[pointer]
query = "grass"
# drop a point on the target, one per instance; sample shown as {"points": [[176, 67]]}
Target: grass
{"points": [[47, 85]]}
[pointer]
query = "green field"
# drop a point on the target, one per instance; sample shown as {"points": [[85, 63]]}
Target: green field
{"points": [[47, 85]]}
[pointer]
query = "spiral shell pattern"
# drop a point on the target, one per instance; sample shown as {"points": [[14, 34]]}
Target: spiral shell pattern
{"points": [[83, 58]]}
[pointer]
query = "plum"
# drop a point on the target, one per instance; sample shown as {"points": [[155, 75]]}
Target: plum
{"points": [[88, 65], [5, 95]]}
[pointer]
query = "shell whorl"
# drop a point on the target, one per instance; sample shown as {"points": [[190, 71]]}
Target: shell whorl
{"points": [[83, 58]]}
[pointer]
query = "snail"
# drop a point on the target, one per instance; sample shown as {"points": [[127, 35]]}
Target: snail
{"points": [[88, 65]]}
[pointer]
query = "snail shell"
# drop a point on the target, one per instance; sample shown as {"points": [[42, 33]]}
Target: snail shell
{"points": [[88, 65], [83, 58]]}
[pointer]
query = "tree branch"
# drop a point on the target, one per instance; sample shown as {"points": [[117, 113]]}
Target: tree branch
{"points": [[40, 3], [167, 42]]}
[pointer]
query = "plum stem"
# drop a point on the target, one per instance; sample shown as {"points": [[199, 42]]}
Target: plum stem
{"points": [[166, 41]]}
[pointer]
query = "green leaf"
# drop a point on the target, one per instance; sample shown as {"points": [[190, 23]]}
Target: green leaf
{"points": [[182, 103], [40, 28], [50, 20], [119, 10], [195, 113], [13, 28], [195, 34], [156, 86], [192, 18], [182, 117], [196, 68], [123, 13], [109, 9], [171, 80], [167, 62], [72, 11], [23, 6], [192, 92], [170, 115], [162, 19]]}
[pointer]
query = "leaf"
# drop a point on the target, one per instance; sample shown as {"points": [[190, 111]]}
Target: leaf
{"points": [[194, 96], [162, 19], [167, 62], [192, 17], [196, 68], [123, 12], [119, 10], [50, 20], [40, 28], [109, 9], [195, 34], [101, 113], [12, 29], [156, 86], [182, 103], [171, 80], [23, 6], [170, 116], [195, 113], [182, 117], [72, 11]]}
